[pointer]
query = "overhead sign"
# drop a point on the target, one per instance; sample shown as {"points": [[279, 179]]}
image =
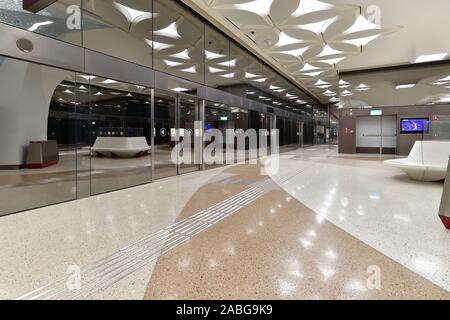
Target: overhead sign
{"points": [[377, 112], [36, 5]]}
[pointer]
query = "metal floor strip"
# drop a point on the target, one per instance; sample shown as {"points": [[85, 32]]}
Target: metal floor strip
{"points": [[109, 270]]}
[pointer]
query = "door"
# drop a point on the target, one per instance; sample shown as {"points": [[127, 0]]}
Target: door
{"points": [[188, 114], [389, 134], [164, 130], [368, 134]]}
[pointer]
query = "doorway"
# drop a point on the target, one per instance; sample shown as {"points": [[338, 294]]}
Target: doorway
{"points": [[376, 134]]}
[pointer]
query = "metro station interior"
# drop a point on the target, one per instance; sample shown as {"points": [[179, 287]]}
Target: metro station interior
{"points": [[138, 139]]}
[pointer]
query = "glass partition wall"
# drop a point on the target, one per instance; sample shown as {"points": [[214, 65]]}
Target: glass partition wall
{"points": [[82, 134]]}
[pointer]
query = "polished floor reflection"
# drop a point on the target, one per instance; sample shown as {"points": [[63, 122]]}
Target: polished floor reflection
{"points": [[315, 230]]}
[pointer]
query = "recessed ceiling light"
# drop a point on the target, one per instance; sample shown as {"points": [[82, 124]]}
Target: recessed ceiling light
{"points": [[172, 63], [211, 55], [446, 79], [179, 89], [260, 7], [192, 69], [68, 91], [301, 101], [181, 55], [230, 63], [37, 25], [131, 14], [215, 70], [431, 57], [285, 40], [308, 6], [88, 77], [329, 51], [109, 81], [249, 75], [320, 83], [329, 93], [405, 86], [170, 31], [229, 75], [98, 94], [361, 24], [157, 45]]}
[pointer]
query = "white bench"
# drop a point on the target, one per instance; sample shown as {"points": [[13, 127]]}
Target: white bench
{"points": [[121, 147], [427, 161]]}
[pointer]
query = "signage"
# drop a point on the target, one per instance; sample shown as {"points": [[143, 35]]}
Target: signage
{"points": [[223, 118], [376, 112], [36, 5]]}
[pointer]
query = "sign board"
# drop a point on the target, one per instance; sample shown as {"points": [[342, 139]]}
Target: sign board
{"points": [[376, 112], [36, 5], [223, 118]]}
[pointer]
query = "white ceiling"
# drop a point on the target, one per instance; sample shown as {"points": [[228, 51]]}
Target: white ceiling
{"points": [[280, 32]]}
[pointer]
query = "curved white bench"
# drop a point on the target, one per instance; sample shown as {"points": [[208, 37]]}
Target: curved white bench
{"points": [[427, 161], [121, 147]]}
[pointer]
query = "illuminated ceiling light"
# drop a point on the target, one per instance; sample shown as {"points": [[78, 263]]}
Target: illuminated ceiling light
{"points": [[285, 40], [190, 70], [332, 61], [61, 99], [230, 63], [133, 15], [82, 87], [277, 103], [279, 90], [329, 51], [361, 24], [446, 79], [362, 42], [313, 74], [140, 87], [343, 86], [211, 55], [431, 57], [260, 7], [182, 55], [438, 83], [157, 45], [346, 93], [343, 82], [179, 89], [172, 63], [301, 101], [37, 25], [250, 92], [109, 81], [129, 95], [98, 94], [405, 86], [325, 86], [88, 77], [260, 80], [249, 75], [272, 87], [321, 83], [308, 6], [215, 70], [169, 31], [68, 91], [229, 75], [362, 87], [295, 52], [334, 99], [291, 96], [308, 67], [329, 93]]}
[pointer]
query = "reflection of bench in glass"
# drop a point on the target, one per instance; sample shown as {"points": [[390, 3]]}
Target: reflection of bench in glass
{"points": [[121, 147], [42, 154], [427, 161]]}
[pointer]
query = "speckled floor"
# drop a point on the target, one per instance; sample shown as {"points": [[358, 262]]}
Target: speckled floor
{"points": [[340, 228]]}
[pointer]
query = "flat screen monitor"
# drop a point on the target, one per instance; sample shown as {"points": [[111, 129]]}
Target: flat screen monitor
{"points": [[414, 125]]}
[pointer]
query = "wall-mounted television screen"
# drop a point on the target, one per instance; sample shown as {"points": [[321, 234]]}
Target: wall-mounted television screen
{"points": [[414, 125]]}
